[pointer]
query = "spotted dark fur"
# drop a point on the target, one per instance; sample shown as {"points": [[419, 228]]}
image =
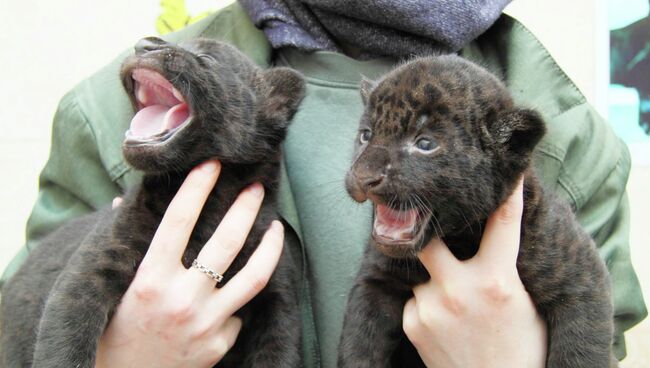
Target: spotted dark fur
{"points": [[484, 145], [56, 307]]}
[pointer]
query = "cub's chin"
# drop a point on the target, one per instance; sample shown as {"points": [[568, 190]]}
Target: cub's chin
{"points": [[400, 233]]}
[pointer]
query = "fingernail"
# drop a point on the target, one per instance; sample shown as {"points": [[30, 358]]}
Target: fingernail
{"points": [[256, 189], [277, 226], [209, 166], [116, 202]]}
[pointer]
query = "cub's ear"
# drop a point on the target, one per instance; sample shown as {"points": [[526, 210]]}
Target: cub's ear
{"points": [[516, 133], [284, 89], [365, 87]]}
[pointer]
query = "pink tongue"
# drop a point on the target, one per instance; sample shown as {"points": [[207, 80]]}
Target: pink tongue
{"points": [[176, 116], [148, 120], [398, 225], [155, 119]]}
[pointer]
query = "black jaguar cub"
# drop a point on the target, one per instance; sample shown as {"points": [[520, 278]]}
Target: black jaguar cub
{"points": [[194, 101], [440, 147]]}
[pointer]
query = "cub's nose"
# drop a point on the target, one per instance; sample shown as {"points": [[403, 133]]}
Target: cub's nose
{"points": [[149, 44], [360, 185], [370, 174], [367, 183]]}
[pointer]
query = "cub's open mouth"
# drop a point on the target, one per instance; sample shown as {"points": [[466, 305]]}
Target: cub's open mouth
{"points": [[399, 228], [161, 109]]}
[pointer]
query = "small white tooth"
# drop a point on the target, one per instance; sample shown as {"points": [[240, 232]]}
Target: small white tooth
{"points": [[130, 134], [141, 94], [177, 94]]}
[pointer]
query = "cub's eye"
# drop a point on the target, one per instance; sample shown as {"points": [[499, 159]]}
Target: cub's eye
{"points": [[206, 56], [364, 136], [426, 145]]}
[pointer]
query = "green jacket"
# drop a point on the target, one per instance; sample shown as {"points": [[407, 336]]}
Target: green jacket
{"points": [[580, 158]]}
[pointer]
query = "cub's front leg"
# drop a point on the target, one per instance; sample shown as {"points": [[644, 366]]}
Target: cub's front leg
{"points": [[80, 304], [372, 328], [580, 325], [271, 325], [580, 337]]}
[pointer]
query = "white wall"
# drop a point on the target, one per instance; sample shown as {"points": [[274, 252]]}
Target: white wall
{"points": [[575, 33], [48, 47]]}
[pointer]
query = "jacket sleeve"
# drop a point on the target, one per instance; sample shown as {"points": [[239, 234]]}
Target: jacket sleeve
{"points": [[580, 157], [73, 182], [611, 234], [592, 174]]}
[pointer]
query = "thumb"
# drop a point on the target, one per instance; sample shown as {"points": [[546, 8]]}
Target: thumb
{"points": [[438, 260], [500, 243]]}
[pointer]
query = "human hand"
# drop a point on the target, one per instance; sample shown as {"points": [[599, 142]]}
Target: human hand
{"points": [[477, 313], [174, 317]]}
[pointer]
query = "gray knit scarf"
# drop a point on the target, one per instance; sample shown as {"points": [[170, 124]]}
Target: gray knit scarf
{"points": [[398, 28]]}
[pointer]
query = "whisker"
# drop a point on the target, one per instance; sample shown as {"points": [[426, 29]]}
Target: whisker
{"points": [[469, 225], [435, 218]]}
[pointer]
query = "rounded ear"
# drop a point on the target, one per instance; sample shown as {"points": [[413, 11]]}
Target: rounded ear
{"points": [[517, 132], [284, 89], [365, 87]]}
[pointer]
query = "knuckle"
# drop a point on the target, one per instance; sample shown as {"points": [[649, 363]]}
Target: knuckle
{"points": [[411, 326], [230, 244], [180, 221], [510, 211], [220, 347], [146, 292], [180, 312], [427, 317], [497, 290], [201, 332], [452, 302], [257, 282]]}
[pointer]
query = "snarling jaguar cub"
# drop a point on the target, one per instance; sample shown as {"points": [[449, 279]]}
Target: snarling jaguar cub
{"points": [[440, 146]]}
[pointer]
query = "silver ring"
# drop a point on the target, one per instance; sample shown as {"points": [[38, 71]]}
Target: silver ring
{"points": [[208, 272]]}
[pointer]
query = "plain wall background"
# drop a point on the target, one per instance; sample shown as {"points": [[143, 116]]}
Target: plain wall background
{"points": [[50, 46]]}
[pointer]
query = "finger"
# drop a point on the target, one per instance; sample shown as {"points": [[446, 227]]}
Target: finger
{"points": [[409, 308], [255, 274], [438, 260], [500, 243], [410, 320], [423, 291], [116, 202], [226, 242], [174, 231], [226, 337]]}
